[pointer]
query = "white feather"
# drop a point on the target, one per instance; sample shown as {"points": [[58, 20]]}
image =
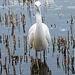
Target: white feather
{"points": [[39, 33]]}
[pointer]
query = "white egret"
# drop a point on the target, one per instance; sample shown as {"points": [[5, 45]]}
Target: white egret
{"points": [[39, 36]]}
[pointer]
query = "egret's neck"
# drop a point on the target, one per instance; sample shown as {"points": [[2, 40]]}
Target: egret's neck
{"points": [[39, 26], [38, 19]]}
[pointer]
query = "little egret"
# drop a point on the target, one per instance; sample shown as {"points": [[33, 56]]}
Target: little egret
{"points": [[39, 36]]}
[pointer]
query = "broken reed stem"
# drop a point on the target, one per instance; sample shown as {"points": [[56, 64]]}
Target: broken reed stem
{"points": [[26, 43], [53, 46], [21, 57], [71, 19], [12, 30], [3, 39], [19, 41], [8, 50], [5, 60], [24, 56], [0, 53], [24, 2], [26, 59], [0, 67], [0, 39], [14, 42], [11, 20], [73, 42], [71, 28], [9, 53], [14, 69], [68, 40], [23, 22], [58, 61]]}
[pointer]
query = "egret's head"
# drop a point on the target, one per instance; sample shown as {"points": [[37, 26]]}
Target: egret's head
{"points": [[37, 5]]}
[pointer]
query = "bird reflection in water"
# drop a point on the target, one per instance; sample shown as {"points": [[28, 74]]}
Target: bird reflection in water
{"points": [[43, 68]]}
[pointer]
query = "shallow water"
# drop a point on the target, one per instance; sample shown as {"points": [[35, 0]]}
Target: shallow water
{"points": [[15, 55]]}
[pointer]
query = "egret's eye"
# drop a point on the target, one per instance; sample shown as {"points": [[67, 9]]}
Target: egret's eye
{"points": [[36, 5]]}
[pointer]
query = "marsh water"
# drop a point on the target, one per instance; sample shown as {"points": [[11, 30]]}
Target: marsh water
{"points": [[16, 17]]}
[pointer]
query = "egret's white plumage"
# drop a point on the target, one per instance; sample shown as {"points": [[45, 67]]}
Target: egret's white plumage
{"points": [[39, 36]]}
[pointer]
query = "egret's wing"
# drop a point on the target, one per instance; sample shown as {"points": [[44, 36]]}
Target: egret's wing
{"points": [[47, 34], [31, 34]]}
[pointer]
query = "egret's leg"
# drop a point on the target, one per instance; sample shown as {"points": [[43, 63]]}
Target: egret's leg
{"points": [[37, 59], [40, 56], [44, 55]]}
